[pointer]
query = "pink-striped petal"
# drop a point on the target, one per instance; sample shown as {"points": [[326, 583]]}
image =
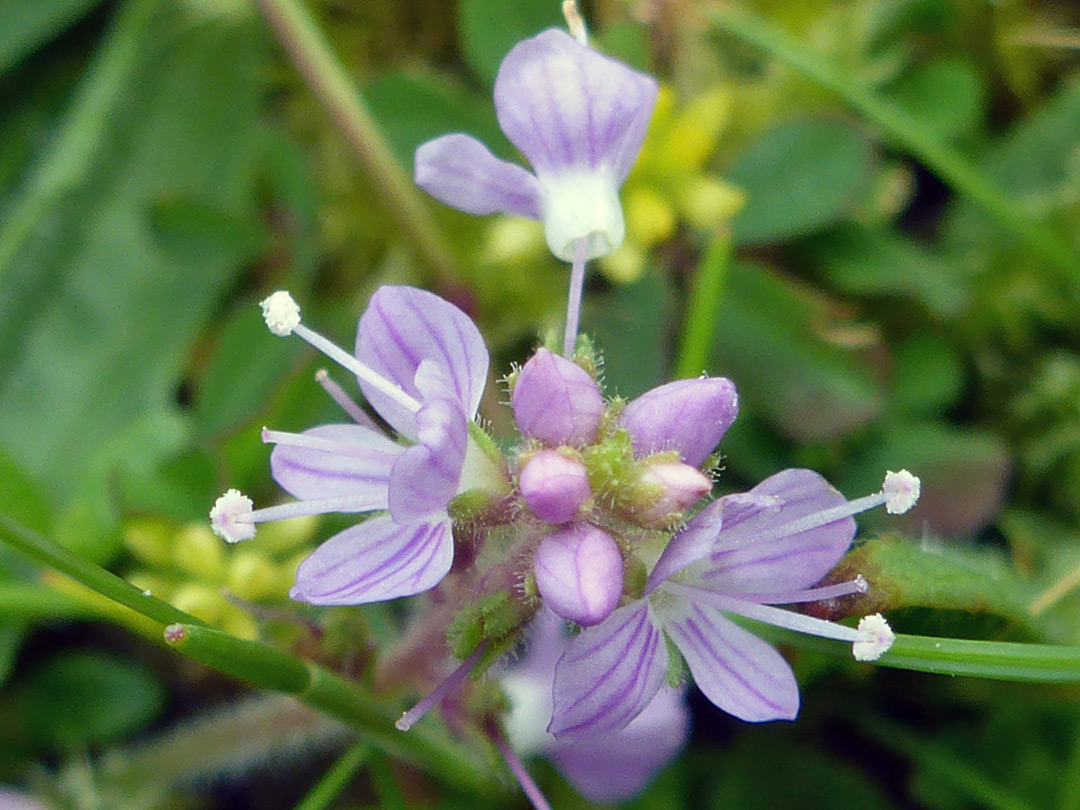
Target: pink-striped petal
{"points": [[358, 469], [609, 674], [564, 105], [693, 543], [735, 669], [426, 476], [375, 561], [458, 170], [759, 551], [404, 326]]}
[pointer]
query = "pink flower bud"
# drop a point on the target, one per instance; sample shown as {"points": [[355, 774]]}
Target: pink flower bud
{"points": [[555, 486], [683, 486], [557, 401], [579, 573], [688, 416]]}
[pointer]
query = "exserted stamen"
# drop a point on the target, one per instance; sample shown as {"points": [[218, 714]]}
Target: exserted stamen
{"points": [[857, 585], [335, 446], [282, 316], [868, 638], [517, 768], [574, 22], [435, 697], [343, 400]]}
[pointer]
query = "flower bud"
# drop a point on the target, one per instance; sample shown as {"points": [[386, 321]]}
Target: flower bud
{"points": [[579, 573], [679, 486], [688, 416], [557, 401], [555, 486]]}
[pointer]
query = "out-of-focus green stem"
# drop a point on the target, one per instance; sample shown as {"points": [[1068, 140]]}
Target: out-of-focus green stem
{"points": [[703, 306], [70, 158], [909, 134], [316, 63], [335, 779]]}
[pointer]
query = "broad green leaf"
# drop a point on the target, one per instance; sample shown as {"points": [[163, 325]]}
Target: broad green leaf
{"points": [[774, 339], [947, 94], [414, 108], [928, 376], [114, 284], [866, 261], [85, 697], [799, 177], [29, 23], [490, 28]]}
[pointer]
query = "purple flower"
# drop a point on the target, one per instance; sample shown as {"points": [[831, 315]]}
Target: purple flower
{"points": [[422, 365], [554, 485], [741, 555], [609, 768], [579, 573], [14, 800], [689, 416], [578, 117], [557, 401]]}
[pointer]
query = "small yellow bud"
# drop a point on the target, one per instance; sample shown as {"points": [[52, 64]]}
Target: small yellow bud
{"points": [[199, 553], [151, 541], [284, 536], [253, 578], [650, 218], [513, 239], [202, 602], [156, 585], [624, 265], [240, 624], [709, 203]]}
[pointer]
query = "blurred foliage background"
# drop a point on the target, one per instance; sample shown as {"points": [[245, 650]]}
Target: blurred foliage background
{"points": [[163, 167]]}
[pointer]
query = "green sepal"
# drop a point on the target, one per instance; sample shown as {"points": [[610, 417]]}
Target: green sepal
{"points": [[635, 578], [494, 619], [677, 671]]}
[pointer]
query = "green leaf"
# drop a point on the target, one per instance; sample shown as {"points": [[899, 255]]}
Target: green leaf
{"points": [[20, 498], [771, 340], [929, 376], [490, 28], [104, 298], [799, 177], [85, 698], [414, 108], [963, 472], [867, 261], [948, 95], [29, 24]]}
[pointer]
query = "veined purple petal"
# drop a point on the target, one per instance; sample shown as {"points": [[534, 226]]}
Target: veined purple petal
{"points": [[425, 477], [689, 416], [735, 669], [557, 401], [564, 105], [609, 674], [579, 573], [403, 326], [617, 767], [745, 560], [458, 170], [360, 469], [374, 561], [693, 543]]}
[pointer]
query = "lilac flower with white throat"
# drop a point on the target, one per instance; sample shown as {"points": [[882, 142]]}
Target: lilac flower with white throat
{"points": [[422, 365], [740, 556], [579, 118]]}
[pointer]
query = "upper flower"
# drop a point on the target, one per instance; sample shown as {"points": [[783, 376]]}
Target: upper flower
{"points": [[422, 365], [578, 117]]}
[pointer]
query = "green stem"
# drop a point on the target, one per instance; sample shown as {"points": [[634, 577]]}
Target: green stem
{"points": [[92, 576], [335, 780], [994, 660], [907, 133], [386, 787], [316, 63], [28, 601], [269, 668], [67, 164], [703, 304]]}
